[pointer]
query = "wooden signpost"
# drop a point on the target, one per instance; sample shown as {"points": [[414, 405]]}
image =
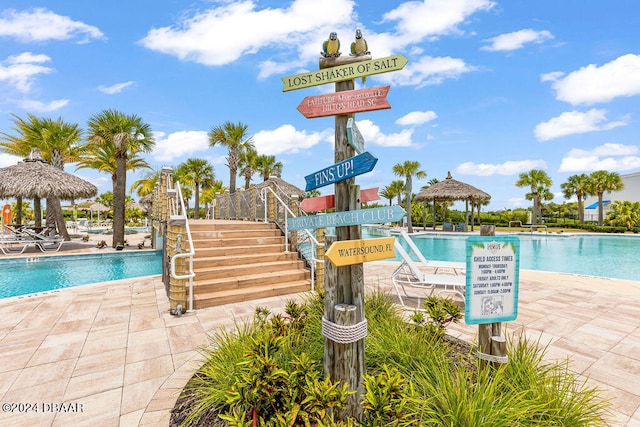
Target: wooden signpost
{"points": [[347, 102], [347, 218], [349, 168], [354, 137], [344, 72], [344, 282], [349, 252], [321, 203]]}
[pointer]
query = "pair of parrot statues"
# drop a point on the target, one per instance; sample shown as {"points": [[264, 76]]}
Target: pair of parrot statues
{"points": [[331, 46]]}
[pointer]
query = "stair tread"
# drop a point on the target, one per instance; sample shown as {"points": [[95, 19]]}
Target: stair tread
{"points": [[281, 285], [245, 277]]}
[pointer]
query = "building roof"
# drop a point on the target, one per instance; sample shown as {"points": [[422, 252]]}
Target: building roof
{"points": [[595, 205]]}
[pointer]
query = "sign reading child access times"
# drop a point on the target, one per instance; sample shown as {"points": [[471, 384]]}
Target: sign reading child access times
{"points": [[493, 268]]}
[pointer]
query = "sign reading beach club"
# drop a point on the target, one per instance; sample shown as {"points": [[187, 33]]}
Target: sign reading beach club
{"points": [[493, 268], [347, 218], [346, 169]]}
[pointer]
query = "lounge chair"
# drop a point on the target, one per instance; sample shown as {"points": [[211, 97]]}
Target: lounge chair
{"points": [[461, 226], [44, 241], [408, 275], [447, 226], [451, 267]]}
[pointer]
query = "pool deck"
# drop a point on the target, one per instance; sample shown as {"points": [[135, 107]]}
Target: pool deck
{"points": [[114, 354]]}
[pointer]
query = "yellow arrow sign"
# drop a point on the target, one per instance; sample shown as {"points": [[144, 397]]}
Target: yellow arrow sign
{"points": [[348, 252], [345, 72]]}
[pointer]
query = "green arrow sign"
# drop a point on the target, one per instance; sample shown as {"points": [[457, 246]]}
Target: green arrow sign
{"points": [[354, 137], [345, 72], [344, 219]]}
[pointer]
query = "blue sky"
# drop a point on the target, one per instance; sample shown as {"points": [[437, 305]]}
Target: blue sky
{"points": [[492, 88]]}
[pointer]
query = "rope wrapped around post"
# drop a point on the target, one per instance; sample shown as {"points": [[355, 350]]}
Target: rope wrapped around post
{"points": [[343, 330]]}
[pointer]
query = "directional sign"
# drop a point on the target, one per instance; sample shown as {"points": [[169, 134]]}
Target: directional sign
{"points": [[345, 102], [354, 137], [349, 252], [347, 218], [344, 72], [321, 203], [346, 169]]}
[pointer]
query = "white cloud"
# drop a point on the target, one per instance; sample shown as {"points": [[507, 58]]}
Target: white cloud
{"points": [[293, 36], [593, 84], [431, 18], [41, 24], [506, 168], [8, 160], [612, 157], [116, 88], [219, 35], [286, 139], [573, 122], [373, 136], [427, 71], [179, 144], [551, 77], [517, 40], [42, 107], [21, 70], [416, 118]]}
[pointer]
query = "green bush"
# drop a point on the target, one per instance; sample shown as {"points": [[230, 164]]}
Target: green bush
{"points": [[270, 373]]}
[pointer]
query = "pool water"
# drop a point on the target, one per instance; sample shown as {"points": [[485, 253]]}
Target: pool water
{"points": [[20, 276], [590, 255]]}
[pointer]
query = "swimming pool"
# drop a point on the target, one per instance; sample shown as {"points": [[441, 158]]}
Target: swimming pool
{"points": [[586, 254], [21, 276]]}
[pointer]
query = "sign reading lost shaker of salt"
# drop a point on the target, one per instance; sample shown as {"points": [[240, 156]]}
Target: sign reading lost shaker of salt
{"points": [[493, 268]]}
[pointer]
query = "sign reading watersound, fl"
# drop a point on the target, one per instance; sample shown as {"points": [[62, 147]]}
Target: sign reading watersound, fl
{"points": [[344, 219], [349, 252], [493, 268]]}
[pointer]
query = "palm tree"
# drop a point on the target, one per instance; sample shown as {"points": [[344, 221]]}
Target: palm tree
{"points": [[209, 193], [388, 193], [59, 143], [268, 166], [409, 169], [397, 187], [624, 214], [601, 181], [196, 172], [535, 178], [576, 185], [234, 137], [146, 185], [248, 165], [124, 136]]}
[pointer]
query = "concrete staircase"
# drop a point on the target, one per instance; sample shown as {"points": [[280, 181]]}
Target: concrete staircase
{"points": [[240, 261]]}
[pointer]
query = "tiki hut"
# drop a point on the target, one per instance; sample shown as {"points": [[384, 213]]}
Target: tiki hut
{"points": [[284, 186], [450, 190], [35, 179]]}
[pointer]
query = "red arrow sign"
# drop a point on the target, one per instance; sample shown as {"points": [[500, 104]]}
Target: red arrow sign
{"points": [[329, 202], [345, 102]]}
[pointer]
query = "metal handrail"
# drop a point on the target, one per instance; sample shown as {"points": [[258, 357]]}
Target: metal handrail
{"points": [[189, 254], [312, 238]]}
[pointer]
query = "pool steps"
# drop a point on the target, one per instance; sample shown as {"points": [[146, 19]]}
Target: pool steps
{"points": [[242, 260]]}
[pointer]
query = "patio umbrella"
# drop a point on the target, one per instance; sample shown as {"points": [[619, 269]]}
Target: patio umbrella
{"points": [[34, 178], [449, 190]]}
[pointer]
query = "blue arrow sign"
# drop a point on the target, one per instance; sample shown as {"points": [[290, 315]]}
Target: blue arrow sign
{"points": [[347, 218], [346, 169]]}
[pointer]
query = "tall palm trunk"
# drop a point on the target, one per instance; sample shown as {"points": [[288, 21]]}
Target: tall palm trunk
{"points": [[196, 211], [54, 209], [119, 189]]}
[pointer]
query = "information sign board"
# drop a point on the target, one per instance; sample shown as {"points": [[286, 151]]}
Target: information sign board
{"points": [[493, 268]]}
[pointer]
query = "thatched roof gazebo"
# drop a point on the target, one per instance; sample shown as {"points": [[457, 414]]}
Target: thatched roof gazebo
{"points": [[449, 190], [33, 178], [288, 189]]}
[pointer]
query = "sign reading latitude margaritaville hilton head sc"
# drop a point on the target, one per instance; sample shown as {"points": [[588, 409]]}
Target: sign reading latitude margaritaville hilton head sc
{"points": [[345, 102]]}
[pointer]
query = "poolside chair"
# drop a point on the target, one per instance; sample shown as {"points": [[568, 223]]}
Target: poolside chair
{"points": [[13, 240], [447, 226], [461, 226], [451, 267], [408, 275], [44, 241]]}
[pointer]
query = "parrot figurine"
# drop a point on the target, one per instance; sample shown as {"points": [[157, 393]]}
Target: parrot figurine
{"points": [[359, 47], [331, 46]]}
